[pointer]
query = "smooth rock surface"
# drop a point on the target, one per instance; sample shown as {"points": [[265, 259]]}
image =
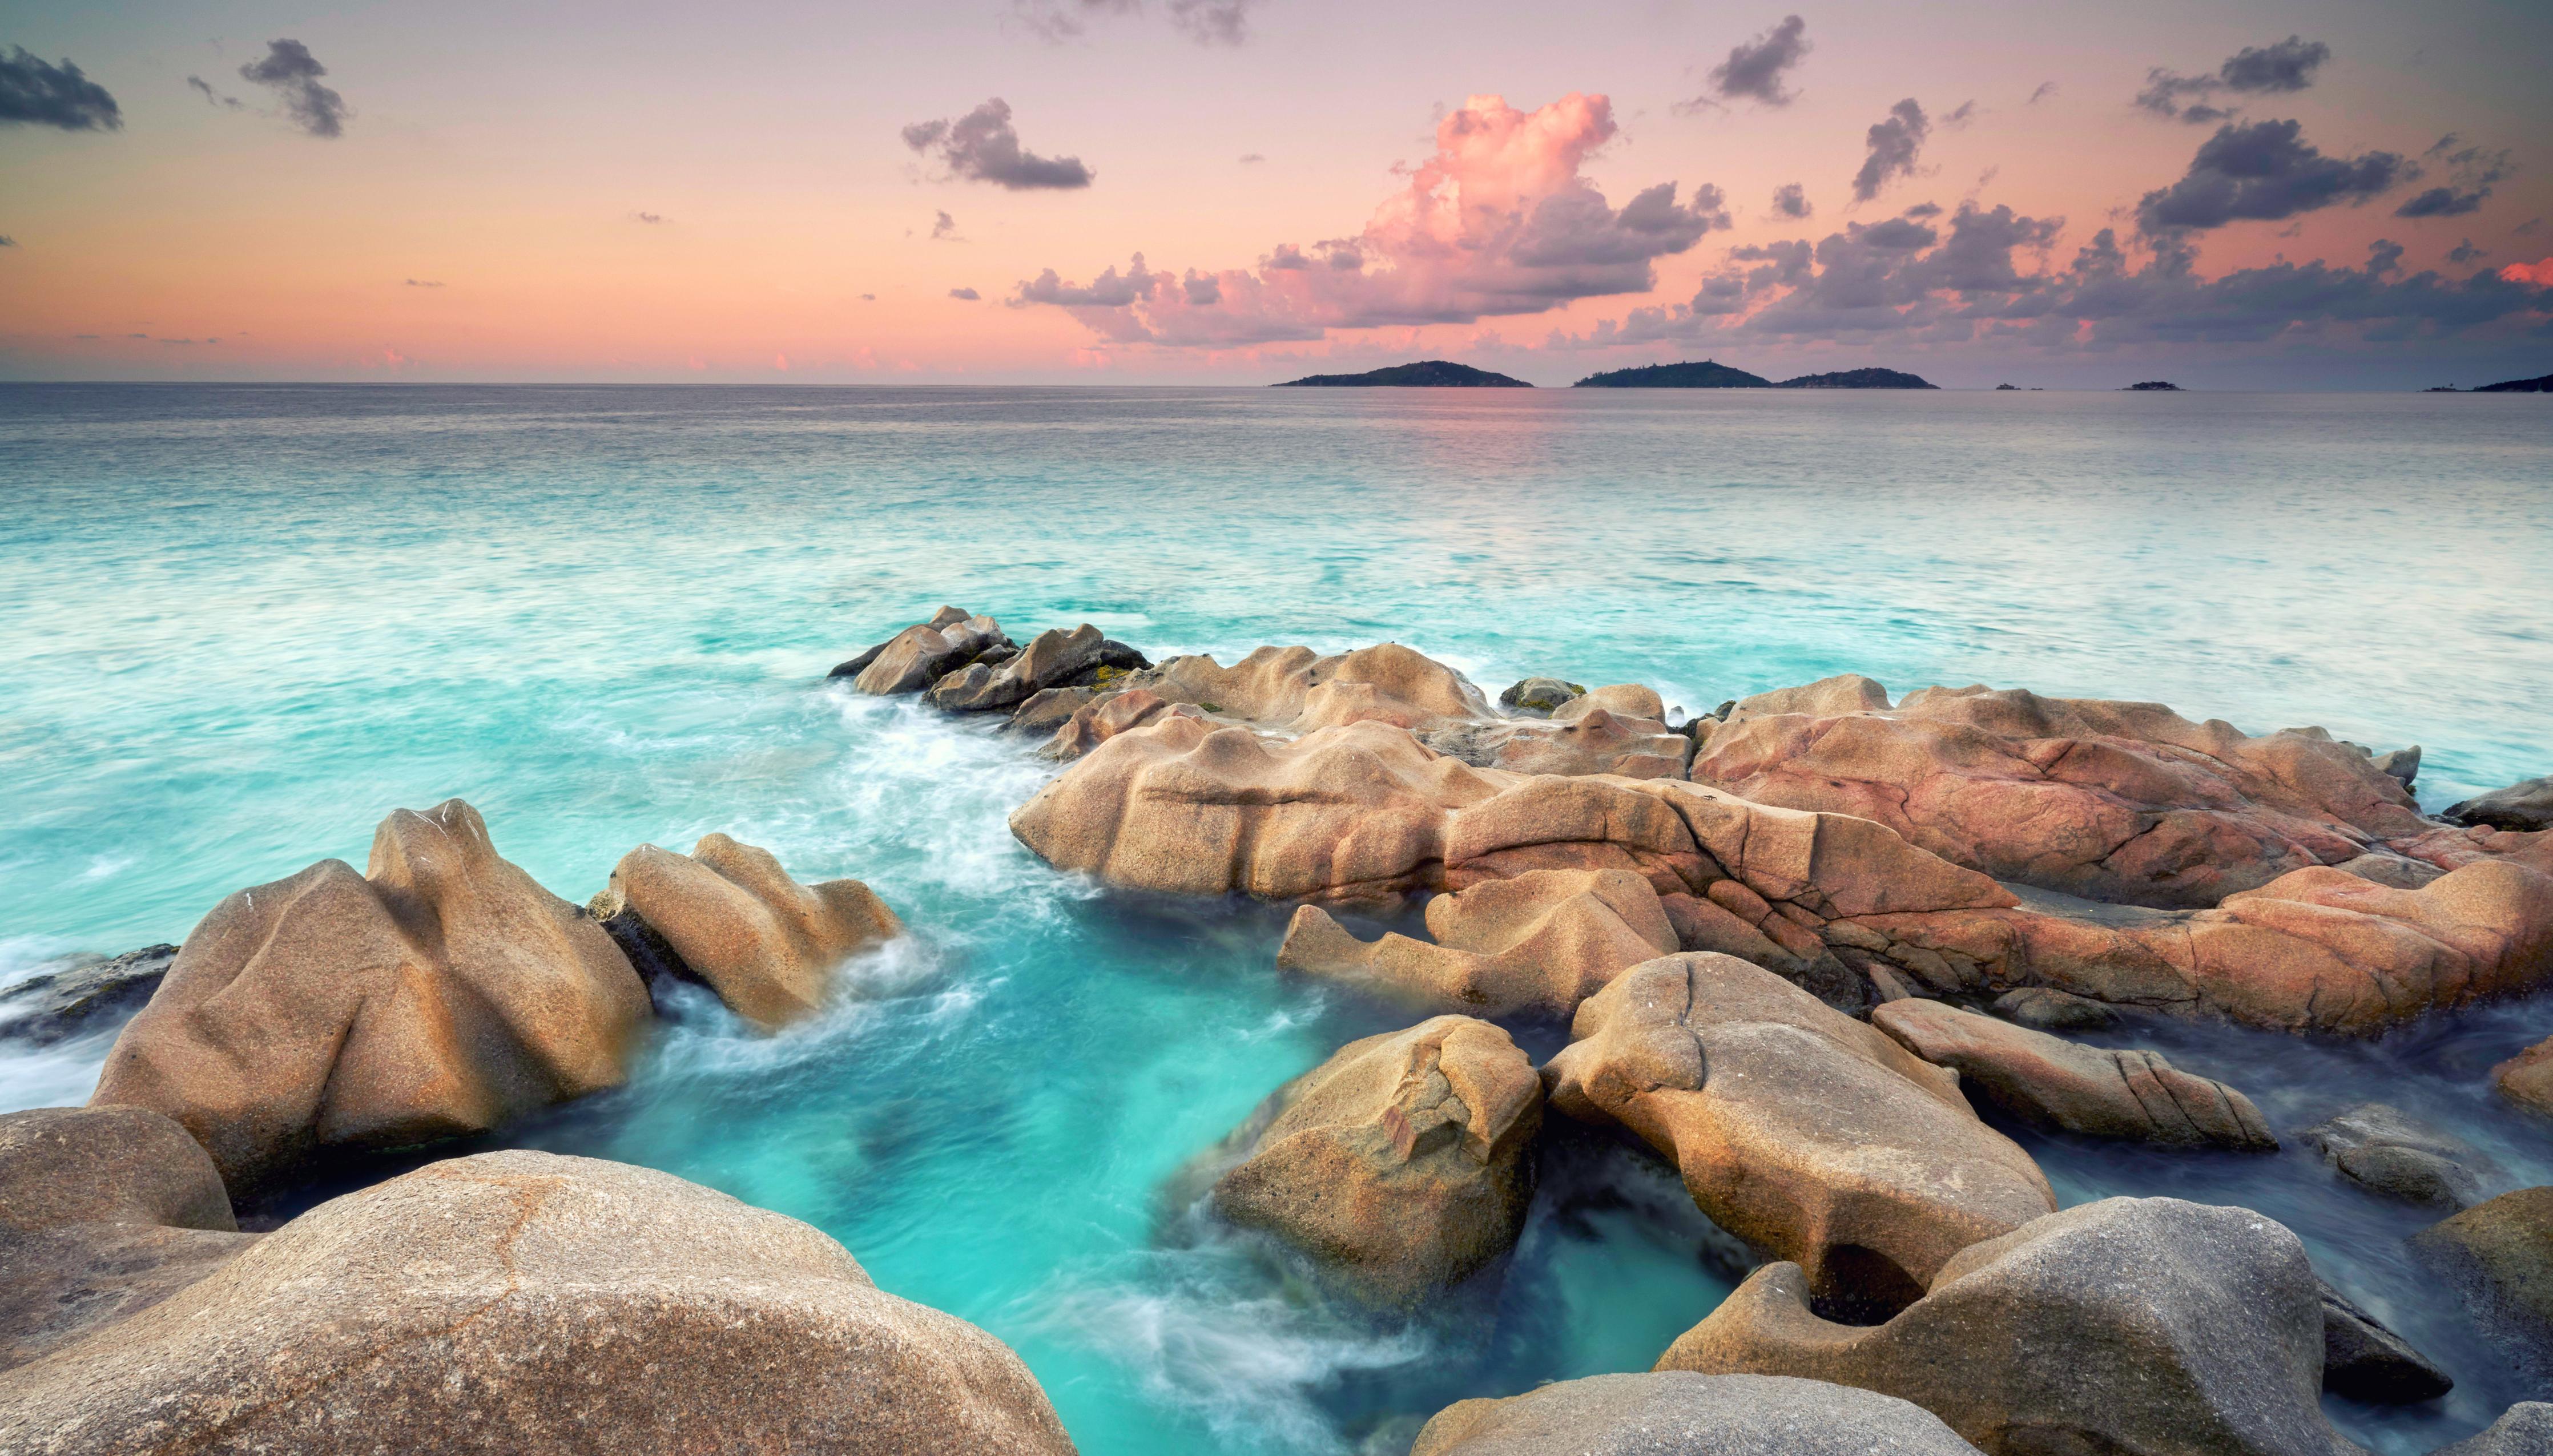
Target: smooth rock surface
{"points": [[1295, 690], [2522, 806], [523, 1301], [441, 992], [2043, 1009], [2146, 1325], [2363, 1359], [2500, 1254], [920, 655], [1544, 940], [1679, 1413], [2523, 1430], [1051, 659], [766, 944], [2527, 1078], [1848, 692], [1804, 1132], [2385, 1151], [1401, 1163], [91, 995], [2096, 1091], [1106, 715]]}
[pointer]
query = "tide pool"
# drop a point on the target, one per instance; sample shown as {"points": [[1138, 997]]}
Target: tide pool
{"points": [[245, 622]]}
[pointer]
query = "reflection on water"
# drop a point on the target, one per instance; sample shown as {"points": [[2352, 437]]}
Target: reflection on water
{"points": [[252, 621]]}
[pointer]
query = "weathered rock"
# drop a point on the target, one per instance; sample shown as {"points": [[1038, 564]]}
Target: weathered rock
{"points": [[104, 1211], [2499, 1256], [1596, 740], [1401, 1163], [1848, 692], [442, 992], [766, 944], [2393, 870], [2382, 1149], [1051, 659], [1538, 694], [2402, 765], [2523, 1430], [2364, 1360], [1804, 1132], [2046, 1010], [857, 664], [2527, 1078], [2125, 802], [2520, 806], [2148, 1325], [1047, 710], [918, 656], [1544, 940], [1679, 1413], [1295, 690], [2096, 1091], [89, 995], [524, 1302], [1105, 717]]}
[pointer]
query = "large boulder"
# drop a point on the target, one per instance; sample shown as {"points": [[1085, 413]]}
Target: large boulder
{"points": [[2096, 1091], [104, 1211], [2521, 806], [1295, 690], [1543, 941], [1679, 1413], [2527, 1078], [90, 994], [439, 993], [1402, 1164], [1802, 1131], [2499, 1256], [525, 1301], [733, 919], [1051, 659], [920, 655], [2385, 1151], [2148, 1325], [2523, 1430], [2125, 802], [1848, 692]]}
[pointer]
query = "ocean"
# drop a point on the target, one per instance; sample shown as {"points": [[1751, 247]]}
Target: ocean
{"points": [[245, 622]]}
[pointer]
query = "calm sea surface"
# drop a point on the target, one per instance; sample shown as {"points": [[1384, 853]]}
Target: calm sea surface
{"points": [[242, 623]]}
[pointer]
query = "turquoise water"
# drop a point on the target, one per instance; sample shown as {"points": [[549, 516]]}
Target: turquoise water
{"points": [[245, 622]]}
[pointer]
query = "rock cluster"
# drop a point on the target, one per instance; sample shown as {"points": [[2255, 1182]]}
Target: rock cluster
{"points": [[1544, 941]]}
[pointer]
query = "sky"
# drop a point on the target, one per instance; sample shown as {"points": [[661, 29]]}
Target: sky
{"points": [[2267, 196]]}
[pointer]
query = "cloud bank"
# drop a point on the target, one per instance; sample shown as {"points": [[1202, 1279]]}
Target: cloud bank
{"points": [[35, 92], [983, 147]]}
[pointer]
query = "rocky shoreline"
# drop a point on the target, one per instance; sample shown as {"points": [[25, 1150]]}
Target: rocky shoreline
{"points": [[1790, 939]]}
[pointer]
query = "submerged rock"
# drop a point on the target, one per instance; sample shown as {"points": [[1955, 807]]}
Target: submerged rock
{"points": [[522, 1301], [2499, 1256], [735, 921], [2527, 1078], [1679, 1413], [1544, 940], [2364, 1360], [441, 992], [105, 1213], [2385, 1150], [2131, 1324], [1401, 1163], [2521, 806], [94, 995], [2096, 1091], [1802, 1131]]}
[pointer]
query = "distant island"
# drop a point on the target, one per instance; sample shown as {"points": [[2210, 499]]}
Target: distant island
{"points": [[1706, 374], [2154, 385], [2541, 384], [1430, 374]]}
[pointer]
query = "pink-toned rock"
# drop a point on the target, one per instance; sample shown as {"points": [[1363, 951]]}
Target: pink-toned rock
{"points": [[1804, 1132], [1295, 690], [1543, 940], [442, 992], [1104, 717], [2527, 1078], [766, 944], [2096, 1091], [2124, 802], [1592, 740], [1848, 692]]}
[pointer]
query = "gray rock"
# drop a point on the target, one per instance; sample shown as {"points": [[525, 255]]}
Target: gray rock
{"points": [[105, 1213], [1117, 655], [523, 1301], [2364, 1359], [1675, 1413], [90, 995], [2523, 1430], [1048, 709], [855, 666], [1050, 660], [2499, 1257], [1538, 694], [2381, 1149], [921, 655], [2403, 764], [2046, 1009], [2522, 806], [2149, 1325]]}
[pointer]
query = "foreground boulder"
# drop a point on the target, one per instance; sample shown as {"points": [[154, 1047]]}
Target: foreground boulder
{"points": [[439, 993], [2522, 806], [2132, 1324], [2385, 1150], [2096, 1091], [524, 1302], [1544, 941], [733, 919], [1675, 1413], [1401, 1163], [2527, 1078], [91, 994], [1804, 1132], [2499, 1256], [105, 1213]]}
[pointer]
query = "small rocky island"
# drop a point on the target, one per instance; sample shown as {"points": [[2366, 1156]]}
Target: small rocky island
{"points": [[2151, 386], [1706, 374], [2541, 384], [1426, 374]]}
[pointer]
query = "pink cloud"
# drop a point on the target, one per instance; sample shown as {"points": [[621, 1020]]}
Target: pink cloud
{"points": [[2538, 273], [1497, 222]]}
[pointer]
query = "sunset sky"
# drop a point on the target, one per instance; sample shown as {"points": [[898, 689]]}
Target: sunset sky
{"points": [[2261, 196]]}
